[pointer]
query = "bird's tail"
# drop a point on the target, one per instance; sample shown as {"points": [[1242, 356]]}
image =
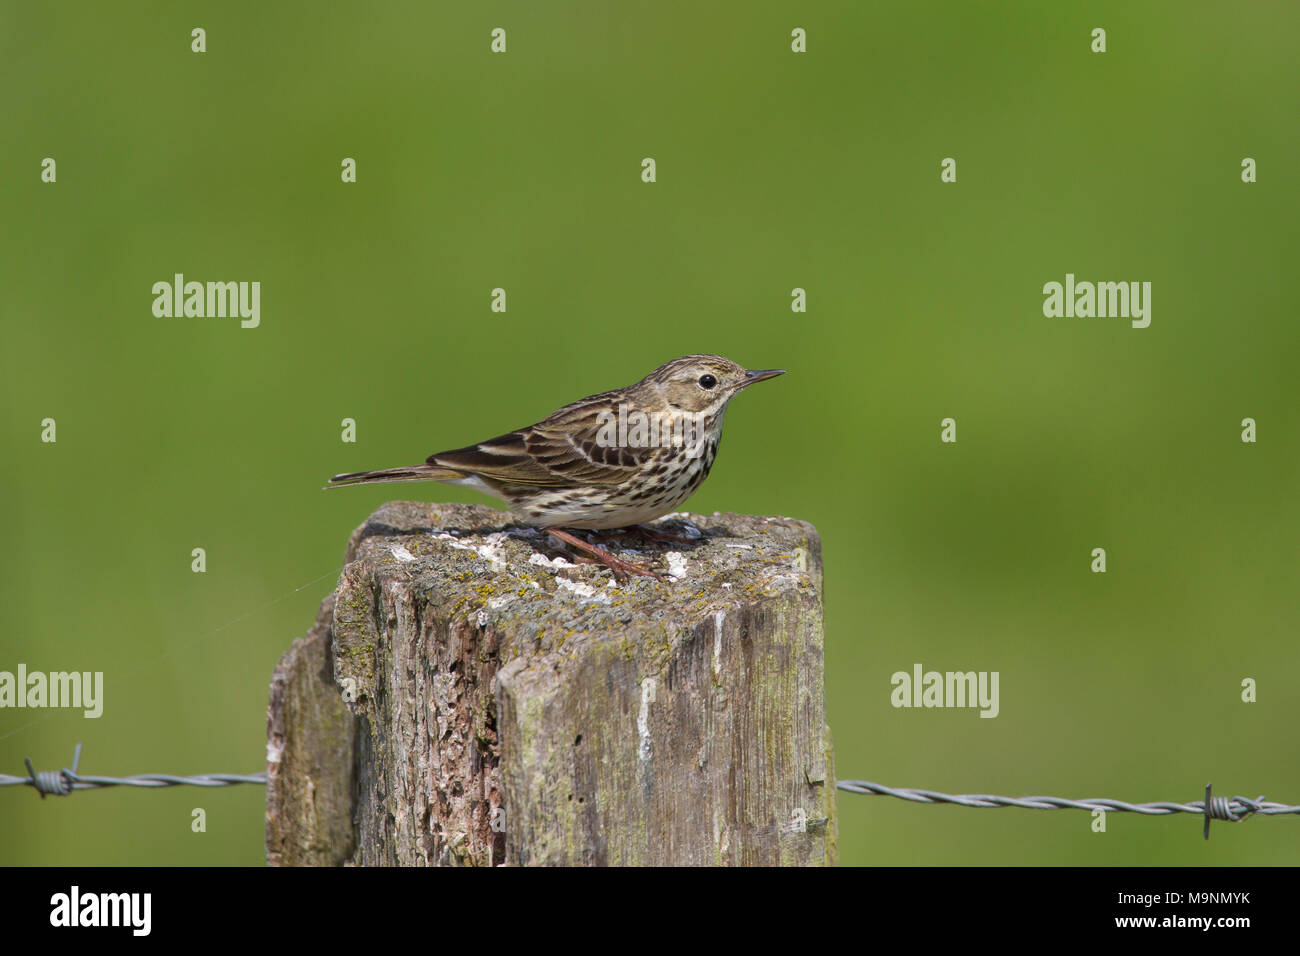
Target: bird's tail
{"points": [[409, 473]]}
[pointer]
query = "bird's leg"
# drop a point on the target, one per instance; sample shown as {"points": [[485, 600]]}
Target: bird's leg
{"points": [[615, 564]]}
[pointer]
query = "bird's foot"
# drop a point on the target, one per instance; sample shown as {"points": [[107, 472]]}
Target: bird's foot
{"points": [[620, 568]]}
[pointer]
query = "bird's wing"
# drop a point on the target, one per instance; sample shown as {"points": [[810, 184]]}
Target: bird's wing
{"points": [[571, 447]]}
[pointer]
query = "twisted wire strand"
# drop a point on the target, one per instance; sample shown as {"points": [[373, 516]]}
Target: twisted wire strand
{"points": [[1221, 808], [60, 783]]}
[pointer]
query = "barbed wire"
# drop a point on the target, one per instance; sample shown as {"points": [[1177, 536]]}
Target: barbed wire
{"points": [[60, 783], [1230, 810]]}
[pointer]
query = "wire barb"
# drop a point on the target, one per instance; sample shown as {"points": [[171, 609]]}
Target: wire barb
{"points": [[1221, 808], [57, 782]]}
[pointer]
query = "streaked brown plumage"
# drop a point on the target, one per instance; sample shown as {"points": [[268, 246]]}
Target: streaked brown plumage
{"points": [[577, 469]]}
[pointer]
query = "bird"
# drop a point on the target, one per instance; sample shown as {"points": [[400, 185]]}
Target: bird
{"points": [[613, 460]]}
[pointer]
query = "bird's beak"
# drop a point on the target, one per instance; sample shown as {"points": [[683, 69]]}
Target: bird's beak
{"points": [[758, 375]]}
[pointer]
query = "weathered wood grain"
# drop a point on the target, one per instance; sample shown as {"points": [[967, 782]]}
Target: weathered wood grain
{"points": [[486, 701]]}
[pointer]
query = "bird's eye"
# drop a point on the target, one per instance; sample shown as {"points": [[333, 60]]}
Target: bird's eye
{"points": [[708, 381]]}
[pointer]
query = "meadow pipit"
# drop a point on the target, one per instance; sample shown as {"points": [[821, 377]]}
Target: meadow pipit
{"points": [[612, 460]]}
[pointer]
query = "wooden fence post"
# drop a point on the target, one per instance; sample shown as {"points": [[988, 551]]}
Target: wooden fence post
{"points": [[466, 698]]}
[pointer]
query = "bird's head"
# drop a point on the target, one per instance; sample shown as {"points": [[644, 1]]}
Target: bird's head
{"points": [[702, 384]]}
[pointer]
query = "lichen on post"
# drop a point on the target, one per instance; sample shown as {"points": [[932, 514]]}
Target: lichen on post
{"points": [[503, 704]]}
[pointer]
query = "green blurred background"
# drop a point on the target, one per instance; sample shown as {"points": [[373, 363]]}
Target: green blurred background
{"points": [[775, 171]]}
